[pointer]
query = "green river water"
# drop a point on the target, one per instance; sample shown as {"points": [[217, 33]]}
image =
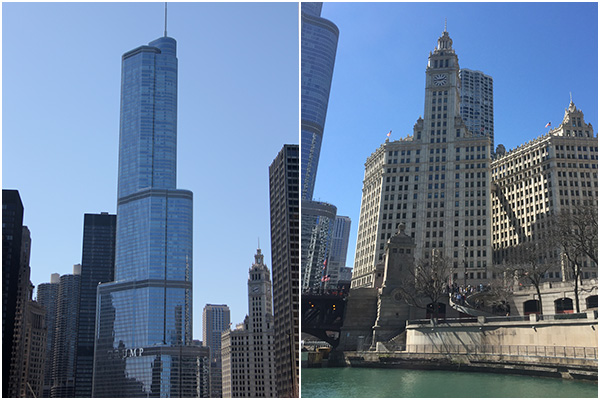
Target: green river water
{"points": [[375, 382]]}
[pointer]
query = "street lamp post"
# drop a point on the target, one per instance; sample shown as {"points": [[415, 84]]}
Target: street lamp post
{"points": [[465, 263]]}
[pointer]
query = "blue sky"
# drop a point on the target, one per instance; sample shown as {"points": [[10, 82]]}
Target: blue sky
{"points": [[536, 53], [238, 105]]}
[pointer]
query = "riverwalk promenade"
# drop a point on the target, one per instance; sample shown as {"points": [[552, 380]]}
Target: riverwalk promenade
{"points": [[561, 345]]}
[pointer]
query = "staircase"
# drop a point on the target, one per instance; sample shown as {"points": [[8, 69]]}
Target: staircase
{"points": [[396, 343], [468, 309]]}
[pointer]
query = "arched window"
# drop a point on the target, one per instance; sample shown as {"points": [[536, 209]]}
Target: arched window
{"points": [[591, 302], [563, 306], [531, 307]]}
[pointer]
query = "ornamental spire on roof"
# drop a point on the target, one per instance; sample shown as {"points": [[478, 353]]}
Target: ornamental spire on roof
{"points": [[444, 42], [165, 19]]}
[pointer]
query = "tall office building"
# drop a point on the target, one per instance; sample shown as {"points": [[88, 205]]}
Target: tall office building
{"points": [[65, 336], [145, 315], [12, 232], [285, 263], [16, 362], [29, 338], [33, 349], [555, 172], [336, 266], [215, 320], [247, 351], [97, 266], [318, 219], [47, 297], [477, 102], [436, 182], [319, 39]]}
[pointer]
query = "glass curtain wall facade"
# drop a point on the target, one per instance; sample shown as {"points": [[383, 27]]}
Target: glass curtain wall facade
{"points": [[146, 313], [477, 102], [65, 336], [319, 39], [12, 231], [215, 320], [339, 249], [47, 296], [97, 265], [317, 227]]}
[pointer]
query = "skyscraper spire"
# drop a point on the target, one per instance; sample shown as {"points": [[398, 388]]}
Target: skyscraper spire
{"points": [[445, 24], [165, 19], [145, 262]]}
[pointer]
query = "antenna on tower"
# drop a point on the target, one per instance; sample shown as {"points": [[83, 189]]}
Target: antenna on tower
{"points": [[571, 96], [445, 24], [259, 242], [165, 19]]}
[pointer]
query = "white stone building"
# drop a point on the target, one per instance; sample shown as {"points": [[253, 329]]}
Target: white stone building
{"points": [[557, 171], [247, 352], [435, 181]]}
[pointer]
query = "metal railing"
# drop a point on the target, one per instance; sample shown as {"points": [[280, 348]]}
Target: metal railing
{"points": [[565, 352], [516, 318], [556, 317], [314, 344]]}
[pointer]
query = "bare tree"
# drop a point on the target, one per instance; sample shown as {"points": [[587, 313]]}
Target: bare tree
{"points": [[501, 288], [529, 263], [575, 231], [428, 282]]}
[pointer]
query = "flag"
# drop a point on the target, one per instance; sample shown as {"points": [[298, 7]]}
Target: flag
{"points": [[547, 125], [389, 133]]}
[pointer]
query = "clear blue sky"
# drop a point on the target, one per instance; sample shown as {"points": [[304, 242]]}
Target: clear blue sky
{"points": [[536, 53], [238, 105]]}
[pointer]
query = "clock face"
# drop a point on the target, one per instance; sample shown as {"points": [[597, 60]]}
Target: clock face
{"points": [[397, 296], [439, 79]]}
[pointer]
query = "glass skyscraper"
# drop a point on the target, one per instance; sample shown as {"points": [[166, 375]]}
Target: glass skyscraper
{"points": [[477, 102], [315, 243], [12, 231], [144, 317], [65, 335], [47, 296], [319, 39], [97, 265]]}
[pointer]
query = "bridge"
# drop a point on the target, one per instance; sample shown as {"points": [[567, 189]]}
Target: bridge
{"points": [[322, 316]]}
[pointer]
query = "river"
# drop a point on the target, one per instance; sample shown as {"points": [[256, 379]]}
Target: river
{"points": [[375, 382]]}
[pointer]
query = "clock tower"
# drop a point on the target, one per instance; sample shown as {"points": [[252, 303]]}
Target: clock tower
{"points": [[248, 350], [260, 300], [442, 93], [435, 182]]}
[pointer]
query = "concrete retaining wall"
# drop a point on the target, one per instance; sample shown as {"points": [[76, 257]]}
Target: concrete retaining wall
{"points": [[576, 332], [557, 368]]}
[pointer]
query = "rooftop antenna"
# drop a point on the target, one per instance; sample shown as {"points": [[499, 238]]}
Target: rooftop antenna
{"points": [[165, 19], [445, 24], [259, 242], [571, 96]]}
